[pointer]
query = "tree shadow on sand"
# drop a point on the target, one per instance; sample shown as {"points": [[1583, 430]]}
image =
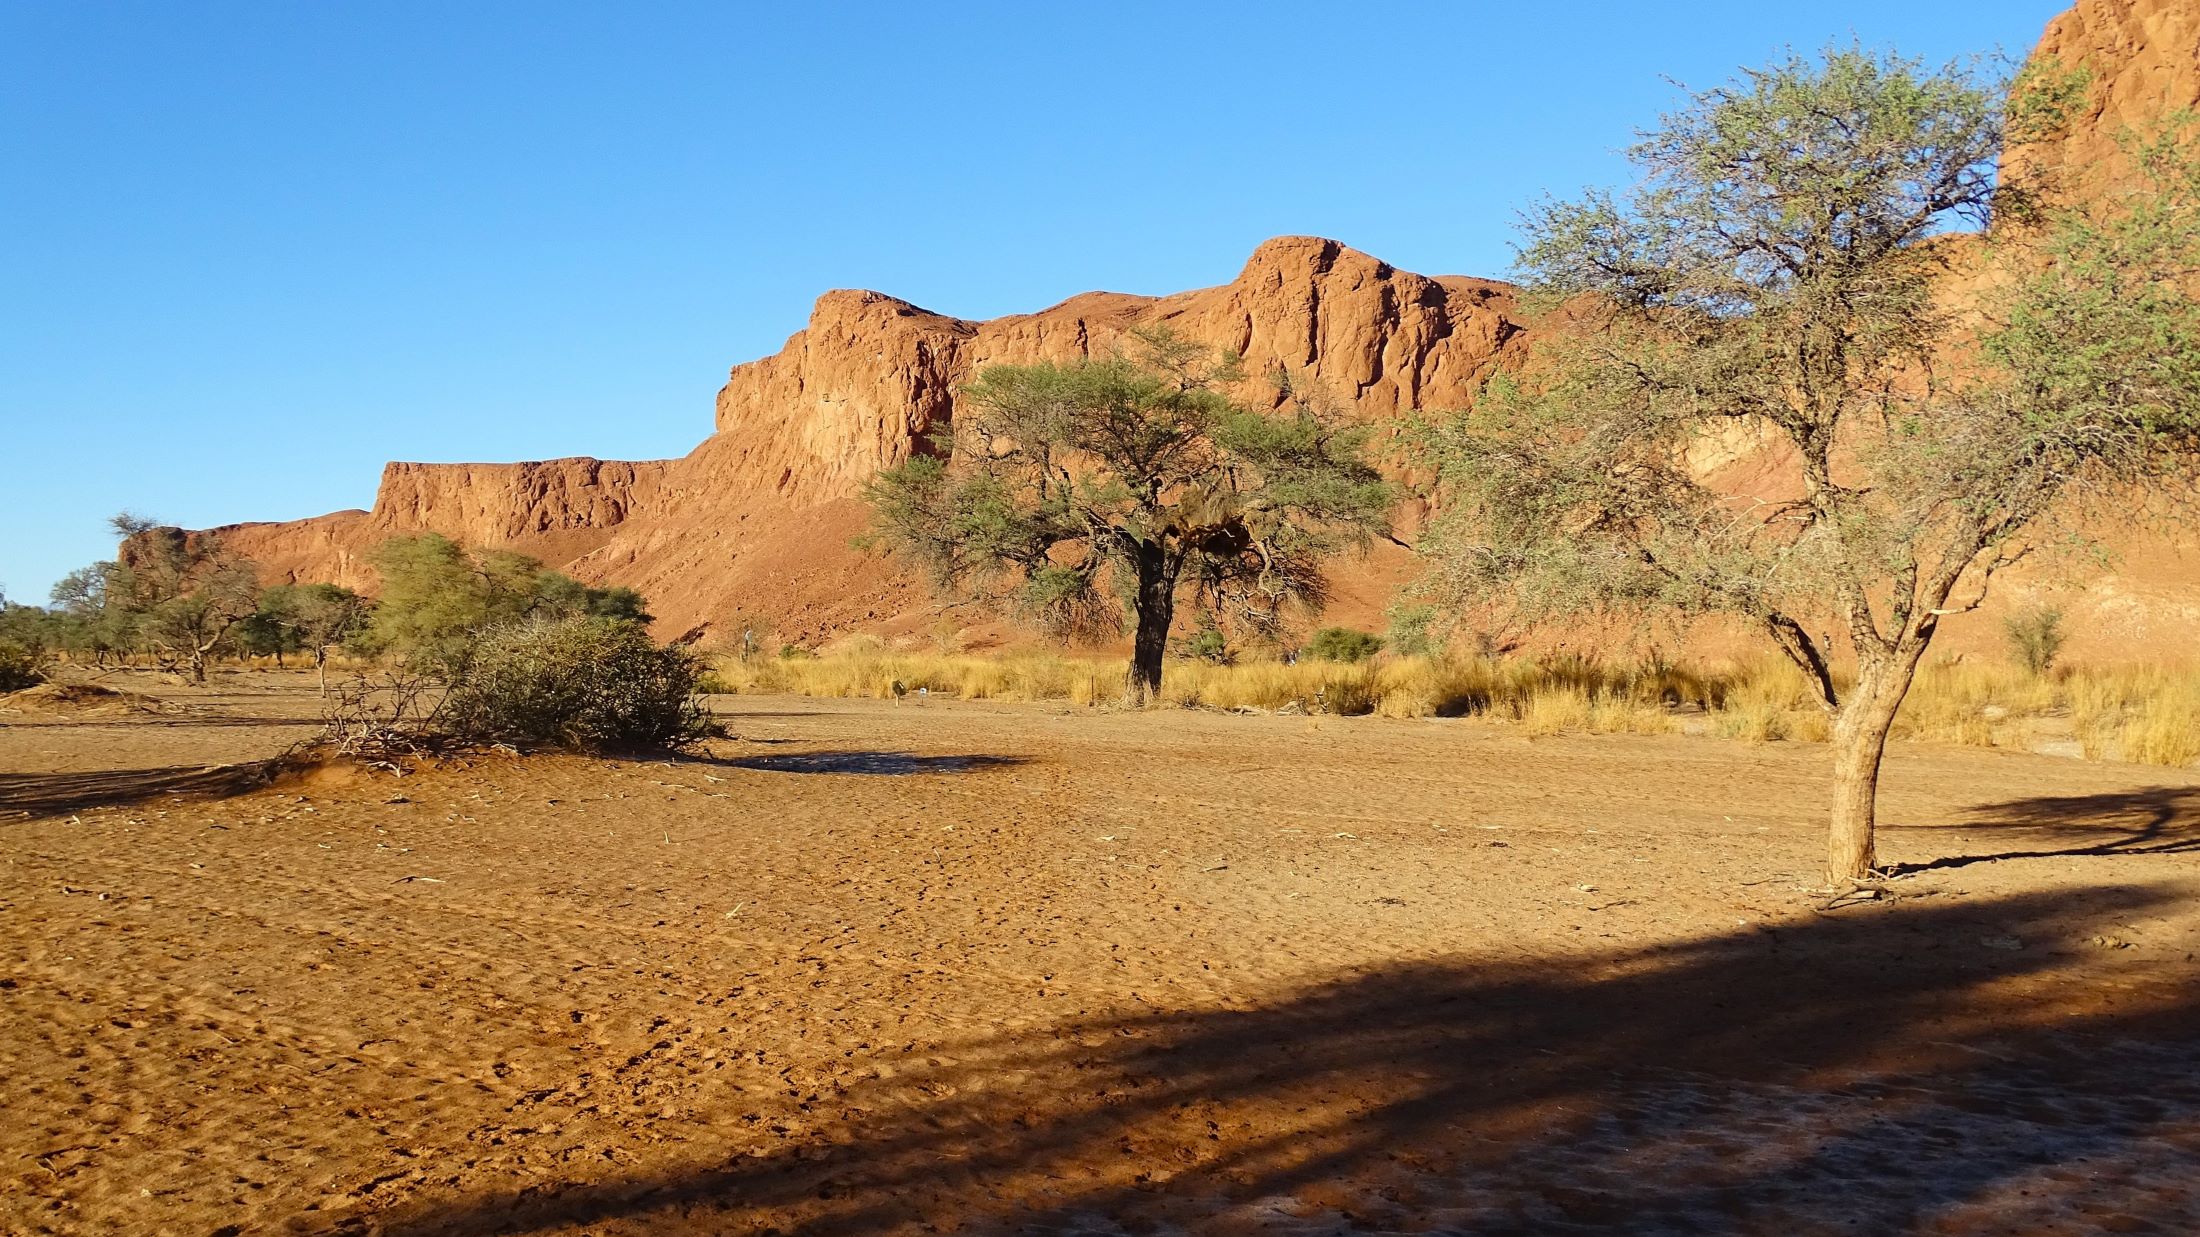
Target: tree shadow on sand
{"points": [[1884, 1071], [27, 795], [877, 764], [2161, 820]]}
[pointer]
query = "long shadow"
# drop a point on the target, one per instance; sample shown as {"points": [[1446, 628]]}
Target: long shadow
{"points": [[1875, 1074], [879, 763], [27, 795], [142, 721], [2162, 820]]}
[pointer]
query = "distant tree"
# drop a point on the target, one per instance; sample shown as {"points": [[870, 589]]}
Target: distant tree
{"points": [[181, 596], [433, 599], [438, 597], [1774, 274], [27, 639], [267, 631], [1078, 491], [86, 625], [313, 618], [1413, 629]]}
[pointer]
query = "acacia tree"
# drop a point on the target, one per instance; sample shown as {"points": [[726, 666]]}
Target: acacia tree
{"points": [[88, 624], [1770, 284], [316, 617], [182, 595], [1078, 491]]}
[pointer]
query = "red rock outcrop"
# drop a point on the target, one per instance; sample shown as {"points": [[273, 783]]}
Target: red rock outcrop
{"points": [[757, 519], [2143, 61], [557, 510]]}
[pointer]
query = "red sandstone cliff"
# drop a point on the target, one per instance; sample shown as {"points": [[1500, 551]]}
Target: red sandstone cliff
{"points": [[2143, 59], [758, 517]]}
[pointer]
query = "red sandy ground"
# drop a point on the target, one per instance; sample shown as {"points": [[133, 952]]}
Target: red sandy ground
{"points": [[978, 967]]}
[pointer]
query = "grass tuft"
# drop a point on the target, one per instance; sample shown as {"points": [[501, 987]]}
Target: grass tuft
{"points": [[2131, 713]]}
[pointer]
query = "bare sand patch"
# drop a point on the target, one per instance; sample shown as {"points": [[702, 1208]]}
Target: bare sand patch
{"points": [[878, 966]]}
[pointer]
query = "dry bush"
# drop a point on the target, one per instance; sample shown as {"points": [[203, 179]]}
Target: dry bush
{"points": [[580, 683], [1767, 701], [380, 711], [1435, 686], [1975, 704], [1556, 707], [2164, 729], [18, 667]]}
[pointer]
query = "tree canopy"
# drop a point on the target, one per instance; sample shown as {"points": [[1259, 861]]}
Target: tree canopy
{"points": [[1773, 285], [1074, 493], [437, 596]]}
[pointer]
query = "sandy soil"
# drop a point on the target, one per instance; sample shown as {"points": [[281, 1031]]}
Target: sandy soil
{"points": [[969, 967]]}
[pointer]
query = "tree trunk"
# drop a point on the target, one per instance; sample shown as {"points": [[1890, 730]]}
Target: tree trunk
{"points": [[320, 664], [1859, 743], [1156, 609]]}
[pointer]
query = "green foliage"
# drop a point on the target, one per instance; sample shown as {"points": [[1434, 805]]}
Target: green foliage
{"points": [[33, 632], [309, 618], [1413, 630], [2044, 97], [1772, 275], [18, 666], [2035, 636], [1207, 643], [438, 597], [1080, 491], [1343, 644], [86, 626], [619, 603], [1770, 281], [178, 596], [579, 682]]}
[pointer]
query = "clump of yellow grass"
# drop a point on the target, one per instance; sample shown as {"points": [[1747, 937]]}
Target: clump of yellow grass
{"points": [[2133, 713]]}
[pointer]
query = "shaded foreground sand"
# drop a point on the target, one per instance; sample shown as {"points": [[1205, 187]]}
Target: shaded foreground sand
{"points": [[883, 967]]}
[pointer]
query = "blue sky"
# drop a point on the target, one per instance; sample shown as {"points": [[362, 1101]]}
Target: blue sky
{"points": [[248, 252]]}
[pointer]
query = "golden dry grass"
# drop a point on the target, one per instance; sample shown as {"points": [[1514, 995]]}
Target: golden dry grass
{"points": [[2143, 714]]}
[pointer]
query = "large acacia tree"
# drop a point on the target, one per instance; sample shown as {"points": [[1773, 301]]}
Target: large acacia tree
{"points": [[1776, 284], [1074, 493]]}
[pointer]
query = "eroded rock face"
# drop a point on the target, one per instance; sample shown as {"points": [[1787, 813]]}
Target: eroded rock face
{"points": [[2143, 59], [554, 509], [757, 519]]}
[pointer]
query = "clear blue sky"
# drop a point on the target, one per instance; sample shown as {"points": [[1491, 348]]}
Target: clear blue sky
{"points": [[248, 252]]}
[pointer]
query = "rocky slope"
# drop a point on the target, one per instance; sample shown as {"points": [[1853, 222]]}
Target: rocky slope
{"points": [[756, 521], [2143, 59]]}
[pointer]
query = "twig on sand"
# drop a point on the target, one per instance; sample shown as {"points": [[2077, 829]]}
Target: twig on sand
{"points": [[1854, 895]]}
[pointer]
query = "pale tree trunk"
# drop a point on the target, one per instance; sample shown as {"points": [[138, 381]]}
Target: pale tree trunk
{"points": [[1859, 743], [1156, 610]]}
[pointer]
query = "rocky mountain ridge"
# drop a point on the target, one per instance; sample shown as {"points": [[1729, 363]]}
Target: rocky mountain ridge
{"points": [[758, 517], [756, 521]]}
